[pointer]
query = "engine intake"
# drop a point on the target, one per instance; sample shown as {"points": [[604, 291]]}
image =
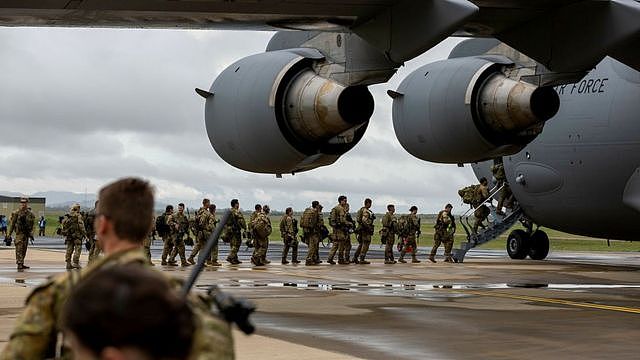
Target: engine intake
{"points": [[466, 110]]}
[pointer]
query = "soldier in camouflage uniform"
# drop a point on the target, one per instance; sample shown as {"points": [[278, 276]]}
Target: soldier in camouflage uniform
{"points": [[89, 218], [179, 225], [165, 233], [199, 234], [209, 225], [288, 233], [339, 223], [346, 250], [250, 235], [261, 227], [146, 246], [74, 231], [388, 233], [365, 218], [312, 234], [445, 228], [38, 331], [22, 222], [233, 232], [482, 211], [414, 231]]}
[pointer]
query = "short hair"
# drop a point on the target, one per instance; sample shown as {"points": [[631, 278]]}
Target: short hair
{"points": [[181, 205], [258, 207], [390, 206], [266, 209], [169, 207], [212, 207], [483, 180], [234, 202], [288, 210], [130, 306], [314, 203], [448, 206], [341, 197], [206, 201], [128, 203], [413, 208], [367, 201]]}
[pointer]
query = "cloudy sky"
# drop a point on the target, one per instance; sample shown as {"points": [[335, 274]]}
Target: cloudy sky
{"points": [[81, 107]]}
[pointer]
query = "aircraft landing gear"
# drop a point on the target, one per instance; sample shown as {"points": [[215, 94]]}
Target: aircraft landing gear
{"points": [[521, 243]]}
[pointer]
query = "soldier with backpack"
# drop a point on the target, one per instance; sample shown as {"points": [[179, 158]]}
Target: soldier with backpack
{"points": [[89, 219], [179, 228], [312, 224], [365, 218], [482, 211], [388, 233], [340, 224], [409, 229], [74, 231], [162, 228], [288, 233], [261, 226], [22, 222], [198, 224], [233, 232], [445, 227]]}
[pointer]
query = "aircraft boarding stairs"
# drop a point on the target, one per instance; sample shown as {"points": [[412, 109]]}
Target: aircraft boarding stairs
{"points": [[498, 226]]}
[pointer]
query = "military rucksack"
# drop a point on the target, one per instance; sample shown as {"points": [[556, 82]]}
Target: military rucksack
{"points": [[261, 226], [309, 219], [404, 225], [498, 172], [70, 226], [161, 225], [470, 194]]}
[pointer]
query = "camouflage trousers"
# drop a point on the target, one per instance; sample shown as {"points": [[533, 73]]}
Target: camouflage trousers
{"points": [[339, 241], [94, 251], [441, 237], [260, 246], [21, 243], [480, 214], [179, 250], [363, 246], [234, 243], [74, 247], [313, 241], [146, 246], [167, 249], [409, 243], [200, 241], [290, 242], [346, 250], [388, 247]]}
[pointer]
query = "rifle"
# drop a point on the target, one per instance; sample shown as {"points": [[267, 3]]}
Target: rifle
{"points": [[231, 309]]}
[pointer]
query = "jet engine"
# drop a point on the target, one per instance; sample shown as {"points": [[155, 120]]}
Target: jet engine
{"points": [[272, 113], [466, 109]]}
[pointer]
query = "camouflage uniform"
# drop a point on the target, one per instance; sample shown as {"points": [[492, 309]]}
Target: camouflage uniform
{"points": [[260, 243], [179, 225], [388, 236], [338, 221], [410, 239], [365, 231], [289, 239], [74, 230], [200, 239], [94, 250], [482, 211], [312, 237], [167, 240], [22, 222], [146, 247], [233, 232], [445, 228], [250, 235], [506, 195], [346, 250], [207, 223], [38, 331]]}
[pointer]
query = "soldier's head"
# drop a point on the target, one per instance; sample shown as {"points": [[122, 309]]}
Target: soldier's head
{"points": [[181, 208], [314, 204], [413, 209], [24, 202], [212, 208], [483, 181], [235, 203], [169, 209], [346, 207], [206, 202], [289, 211], [342, 199], [258, 207], [319, 207], [391, 208], [127, 312], [266, 209], [124, 215], [75, 207], [367, 203], [445, 217], [448, 207]]}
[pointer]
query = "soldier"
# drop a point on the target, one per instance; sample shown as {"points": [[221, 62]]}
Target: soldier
{"points": [[289, 237], [250, 235], [409, 235], [261, 226], [201, 216], [210, 223], [340, 225], [346, 250], [146, 246], [506, 195], [388, 233], [482, 211], [74, 231], [312, 224], [365, 218], [162, 227], [445, 228], [94, 250], [179, 226], [123, 221], [22, 222], [233, 232]]}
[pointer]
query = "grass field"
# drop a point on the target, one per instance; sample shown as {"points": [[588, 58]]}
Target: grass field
{"points": [[559, 240]]}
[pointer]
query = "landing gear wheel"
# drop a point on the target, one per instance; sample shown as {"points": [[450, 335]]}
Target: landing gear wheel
{"points": [[539, 242], [518, 244]]}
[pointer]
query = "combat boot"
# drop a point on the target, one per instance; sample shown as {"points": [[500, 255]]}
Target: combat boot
{"points": [[215, 263], [310, 263], [69, 267], [355, 260], [295, 261], [433, 259], [389, 262], [415, 260], [364, 262], [266, 261], [191, 261], [448, 259], [284, 261], [172, 263], [163, 263], [401, 259], [330, 261]]}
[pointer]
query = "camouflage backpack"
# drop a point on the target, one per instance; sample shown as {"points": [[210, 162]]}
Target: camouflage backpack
{"points": [[403, 225], [498, 172], [261, 226], [161, 225], [469, 194], [71, 226], [309, 219]]}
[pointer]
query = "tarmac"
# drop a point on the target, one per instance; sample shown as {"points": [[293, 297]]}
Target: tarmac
{"points": [[573, 305]]}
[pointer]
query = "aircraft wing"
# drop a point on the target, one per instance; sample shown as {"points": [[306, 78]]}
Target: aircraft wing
{"points": [[563, 35]]}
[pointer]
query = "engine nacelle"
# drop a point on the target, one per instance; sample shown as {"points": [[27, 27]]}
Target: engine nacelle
{"points": [[271, 113], [465, 110]]}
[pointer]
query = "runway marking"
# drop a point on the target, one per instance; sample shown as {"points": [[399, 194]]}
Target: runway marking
{"points": [[555, 301]]}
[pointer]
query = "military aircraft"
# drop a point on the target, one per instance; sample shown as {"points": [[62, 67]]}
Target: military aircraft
{"points": [[550, 89]]}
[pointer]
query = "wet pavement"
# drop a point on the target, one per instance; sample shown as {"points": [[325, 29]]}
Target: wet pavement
{"points": [[574, 305]]}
